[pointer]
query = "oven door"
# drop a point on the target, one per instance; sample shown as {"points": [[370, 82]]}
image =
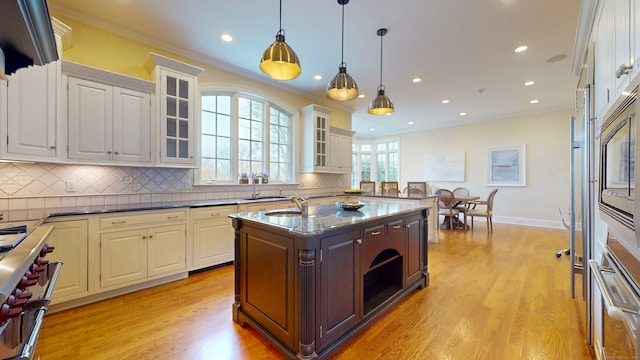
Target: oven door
{"points": [[622, 307]]}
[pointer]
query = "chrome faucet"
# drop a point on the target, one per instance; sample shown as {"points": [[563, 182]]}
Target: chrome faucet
{"points": [[302, 205], [254, 193]]}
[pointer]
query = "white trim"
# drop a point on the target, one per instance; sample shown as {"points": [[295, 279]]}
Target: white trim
{"points": [[552, 224]]}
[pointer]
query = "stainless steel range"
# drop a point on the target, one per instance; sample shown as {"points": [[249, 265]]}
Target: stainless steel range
{"points": [[27, 280]]}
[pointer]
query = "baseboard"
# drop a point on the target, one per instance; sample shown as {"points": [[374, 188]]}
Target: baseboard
{"points": [[525, 221]]}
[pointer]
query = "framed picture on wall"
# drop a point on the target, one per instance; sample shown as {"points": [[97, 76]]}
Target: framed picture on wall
{"points": [[506, 166]]}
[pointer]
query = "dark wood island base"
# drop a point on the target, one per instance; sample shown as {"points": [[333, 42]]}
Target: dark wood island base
{"points": [[310, 284]]}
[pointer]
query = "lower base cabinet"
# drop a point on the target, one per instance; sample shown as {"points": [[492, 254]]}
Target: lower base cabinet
{"points": [[127, 256], [70, 240], [212, 235], [134, 247]]}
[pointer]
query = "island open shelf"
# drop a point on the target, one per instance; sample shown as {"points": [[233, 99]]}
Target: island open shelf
{"points": [[309, 284]]}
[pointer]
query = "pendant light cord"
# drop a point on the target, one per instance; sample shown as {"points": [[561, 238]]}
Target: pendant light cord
{"points": [[280, 15], [381, 35], [342, 54]]}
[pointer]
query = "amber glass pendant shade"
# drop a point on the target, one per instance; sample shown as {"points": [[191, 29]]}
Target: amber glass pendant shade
{"points": [[381, 105], [342, 87], [279, 61]]}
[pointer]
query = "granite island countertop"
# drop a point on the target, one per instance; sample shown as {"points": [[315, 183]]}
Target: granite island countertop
{"points": [[328, 216]]}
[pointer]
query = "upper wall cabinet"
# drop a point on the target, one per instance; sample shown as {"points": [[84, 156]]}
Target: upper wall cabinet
{"points": [[315, 135], [176, 99], [617, 52], [30, 112], [109, 117], [340, 150]]}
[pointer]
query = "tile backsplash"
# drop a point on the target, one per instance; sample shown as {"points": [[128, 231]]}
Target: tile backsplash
{"points": [[29, 189]]}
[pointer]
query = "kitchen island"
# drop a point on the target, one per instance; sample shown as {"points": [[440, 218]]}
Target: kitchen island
{"points": [[308, 284]]}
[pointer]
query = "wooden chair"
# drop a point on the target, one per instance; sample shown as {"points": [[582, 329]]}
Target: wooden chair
{"points": [[486, 212], [368, 187], [416, 189], [445, 205], [389, 188], [462, 206]]}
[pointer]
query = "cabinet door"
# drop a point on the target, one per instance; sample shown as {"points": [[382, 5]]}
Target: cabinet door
{"points": [[131, 126], [70, 241], [212, 243], [166, 249], [123, 257], [622, 56], [90, 120], [414, 249], [340, 283], [604, 68], [321, 125], [177, 95], [33, 104]]}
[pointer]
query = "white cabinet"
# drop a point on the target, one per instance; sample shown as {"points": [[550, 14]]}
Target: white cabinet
{"points": [[176, 99], [315, 134], [108, 123], [70, 239], [108, 116], [340, 150], [212, 236], [622, 58], [140, 246], [603, 70], [31, 109]]}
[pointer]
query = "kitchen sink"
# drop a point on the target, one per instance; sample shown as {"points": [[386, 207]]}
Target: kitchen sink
{"points": [[283, 213]]}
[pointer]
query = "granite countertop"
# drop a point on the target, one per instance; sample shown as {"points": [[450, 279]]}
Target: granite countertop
{"points": [[114, 208], [328, 216]]}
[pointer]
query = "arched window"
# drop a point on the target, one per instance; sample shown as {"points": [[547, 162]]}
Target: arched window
{"points": [[243, 135]]}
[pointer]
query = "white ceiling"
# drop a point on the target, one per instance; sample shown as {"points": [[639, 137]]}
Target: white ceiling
{"points": [[462, 49]]}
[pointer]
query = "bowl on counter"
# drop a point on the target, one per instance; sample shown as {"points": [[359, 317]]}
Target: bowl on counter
{"points": [[349, 205]]}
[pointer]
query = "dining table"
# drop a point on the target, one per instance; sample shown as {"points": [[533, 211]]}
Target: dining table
{"points": [[458, 200]]}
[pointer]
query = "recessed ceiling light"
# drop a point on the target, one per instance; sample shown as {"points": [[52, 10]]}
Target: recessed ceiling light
{"points": [[417, 80], [534, 101], [520, 49], [372, 129], [529, 83], [318, 77], [463, 114], [361, 96], [410, 122], [445, 101], [226, 37]]}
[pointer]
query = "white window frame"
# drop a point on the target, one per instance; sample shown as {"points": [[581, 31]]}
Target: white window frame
{"points": [[235, 92], [373, 143]]}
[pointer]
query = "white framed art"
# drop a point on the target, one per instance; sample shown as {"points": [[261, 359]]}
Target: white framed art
{"points": [[506, 166]]}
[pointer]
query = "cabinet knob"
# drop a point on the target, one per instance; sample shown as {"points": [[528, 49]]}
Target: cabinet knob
{"points": [[359, 241], [52, 147], [623, 70]]}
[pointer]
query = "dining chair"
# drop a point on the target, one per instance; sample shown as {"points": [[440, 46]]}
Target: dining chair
{"points": [[462, 206], [416, 188], [446, 202], [389, 188], [368, 187], [486, 211]]}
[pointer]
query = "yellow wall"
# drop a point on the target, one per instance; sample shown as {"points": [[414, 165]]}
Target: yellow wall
{"points": [[113, 53]]}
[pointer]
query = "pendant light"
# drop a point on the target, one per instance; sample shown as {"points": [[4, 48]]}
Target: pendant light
{"points": [[381, 105], [342, 87], [279, 61]]}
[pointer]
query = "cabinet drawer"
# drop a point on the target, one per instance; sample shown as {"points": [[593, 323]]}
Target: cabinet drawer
{"points": [[374, 232], [117, 222], [395, 227], [213, 213]]}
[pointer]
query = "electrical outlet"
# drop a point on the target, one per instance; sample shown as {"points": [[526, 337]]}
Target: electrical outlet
{"points": [[71, 186]]}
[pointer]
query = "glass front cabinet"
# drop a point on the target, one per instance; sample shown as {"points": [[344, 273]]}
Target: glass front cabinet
{"points": [[175, 104]]}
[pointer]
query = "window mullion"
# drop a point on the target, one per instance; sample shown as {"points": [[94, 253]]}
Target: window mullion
{"points": [[234, 134]]}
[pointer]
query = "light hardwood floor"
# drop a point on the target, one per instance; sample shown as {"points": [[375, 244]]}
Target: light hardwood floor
{"points": [[492, 296]]}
